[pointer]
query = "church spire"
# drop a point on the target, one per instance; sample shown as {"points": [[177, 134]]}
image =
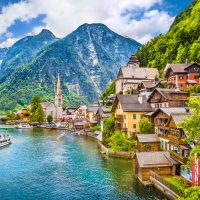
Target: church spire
{"points": [[58, 85]]}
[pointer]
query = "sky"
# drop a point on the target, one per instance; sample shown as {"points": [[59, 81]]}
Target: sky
{"points": [[141, 20]]}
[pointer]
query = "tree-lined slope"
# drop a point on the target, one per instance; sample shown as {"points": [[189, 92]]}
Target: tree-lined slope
{"points": [[180, 43]]}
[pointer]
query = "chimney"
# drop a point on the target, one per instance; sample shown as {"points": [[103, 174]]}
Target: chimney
{"points": [[186, 62], [140, 99]]}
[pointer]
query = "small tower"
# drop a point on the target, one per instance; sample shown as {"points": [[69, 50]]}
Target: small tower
{"points": [[133, 62], [58, 100]]}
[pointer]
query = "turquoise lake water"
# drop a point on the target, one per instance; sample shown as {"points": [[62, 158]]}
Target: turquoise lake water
{"points": [[40, 165]]}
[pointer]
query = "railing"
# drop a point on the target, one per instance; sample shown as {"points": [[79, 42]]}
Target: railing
{"points": [[165, 183], [178, 157]]}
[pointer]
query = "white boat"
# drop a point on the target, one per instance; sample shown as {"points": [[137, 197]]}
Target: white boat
{"points": [[24, 126], [5, 140]]}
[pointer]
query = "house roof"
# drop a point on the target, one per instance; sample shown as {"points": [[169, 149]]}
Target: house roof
{"points": [[166, 93], [46, 104], [155, 159], [104, 112], [151, 83], [178, 68], [92, 108], [131, 103], [147, 138], [171, 110], [138, 73]]}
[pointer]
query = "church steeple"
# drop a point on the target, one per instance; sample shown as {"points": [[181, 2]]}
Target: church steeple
{"points": [[58, 92], [58, 99]]}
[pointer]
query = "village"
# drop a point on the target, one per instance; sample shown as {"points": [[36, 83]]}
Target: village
{"points": [[142, 99]]}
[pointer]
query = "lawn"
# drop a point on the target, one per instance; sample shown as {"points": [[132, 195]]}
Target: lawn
{"points": [[178, 182]]}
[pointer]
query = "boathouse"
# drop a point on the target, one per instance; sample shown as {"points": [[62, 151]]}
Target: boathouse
{"points": [[158, 162]]}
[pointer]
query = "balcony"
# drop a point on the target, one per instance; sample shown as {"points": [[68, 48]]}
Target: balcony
{"points": [[176, 139], [119, 128], [119, 118], [178, 157], [155, 100]]}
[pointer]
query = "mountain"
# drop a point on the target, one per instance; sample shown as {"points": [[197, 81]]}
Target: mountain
{"points": [[23, 51], [3, 52], [180, 43], [87, 60]]}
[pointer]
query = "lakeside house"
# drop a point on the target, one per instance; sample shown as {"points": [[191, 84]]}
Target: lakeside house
{"points": [[128, 111], [92, 114], [130, 76], [148, 142], [182, 75], [162, 98], [159, 162], [81, 113]]}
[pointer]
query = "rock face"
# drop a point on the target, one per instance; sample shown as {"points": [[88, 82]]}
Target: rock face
{"points": [[87, 60], [24, 51]]}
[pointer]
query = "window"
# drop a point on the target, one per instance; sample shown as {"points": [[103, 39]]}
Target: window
{"points": [[181, 77], [134, 125], [141, 116], [147, 148], [134, 116], [181, 85]]}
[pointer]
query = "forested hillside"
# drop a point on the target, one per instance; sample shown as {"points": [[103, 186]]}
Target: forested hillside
{"points": [[180, 43]]}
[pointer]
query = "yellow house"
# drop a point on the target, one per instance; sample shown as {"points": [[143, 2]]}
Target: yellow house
{"points": [[129, 110]]}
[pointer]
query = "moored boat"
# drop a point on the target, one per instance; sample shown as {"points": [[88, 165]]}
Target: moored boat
{"points": [[24, 126], [5, 140]]}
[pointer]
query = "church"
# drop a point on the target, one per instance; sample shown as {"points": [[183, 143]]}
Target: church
{"points": [[55, 110]]}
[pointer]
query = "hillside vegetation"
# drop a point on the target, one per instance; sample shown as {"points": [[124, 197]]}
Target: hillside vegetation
{"points": [[180, 43]]}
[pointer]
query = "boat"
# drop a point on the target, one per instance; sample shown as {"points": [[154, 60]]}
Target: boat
{"points": [[5, 140], [24, 126]]}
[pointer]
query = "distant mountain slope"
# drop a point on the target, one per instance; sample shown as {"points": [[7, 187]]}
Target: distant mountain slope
{"points": [[3, 52], [180, 43], [87, 59], [23, 51]]}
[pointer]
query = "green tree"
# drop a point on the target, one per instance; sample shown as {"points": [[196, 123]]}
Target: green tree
{"points": [[119, 142], [191, 123], [146, 127], [108, 128], [192, 193], [36, 112], [11, 116], [49, 119], [109, 90]]}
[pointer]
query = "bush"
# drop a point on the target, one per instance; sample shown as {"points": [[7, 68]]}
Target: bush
{"points": [[146, 127], [49, 119], [192, 193], [119, 142], [97, 127], [108, 128]]}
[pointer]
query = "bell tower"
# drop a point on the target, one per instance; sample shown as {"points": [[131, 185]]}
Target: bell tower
{"points": [[58, 100]]}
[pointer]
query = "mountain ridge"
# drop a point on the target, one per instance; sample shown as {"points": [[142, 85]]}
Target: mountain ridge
{"points": [[87, 59]]}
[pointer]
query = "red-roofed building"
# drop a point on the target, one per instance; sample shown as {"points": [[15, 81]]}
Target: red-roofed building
{"points": [[182, 75]]}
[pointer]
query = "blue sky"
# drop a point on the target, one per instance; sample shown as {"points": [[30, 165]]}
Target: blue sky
{"points": [[138, 19]]}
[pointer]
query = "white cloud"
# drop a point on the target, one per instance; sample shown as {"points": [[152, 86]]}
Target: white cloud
{"points": [[63, 16], [8, 42]]}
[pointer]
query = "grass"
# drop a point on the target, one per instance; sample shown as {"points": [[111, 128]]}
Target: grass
{"points": [[178, 182]]}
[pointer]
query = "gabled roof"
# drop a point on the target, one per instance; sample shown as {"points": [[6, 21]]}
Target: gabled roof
{"points": [[155, 159], [138, 73], [151, 83], [104, 112], [92, 109], [46, 104], [130, 103], [171, 110], [178, 117], [166, 93], [147, 138], [178, 68]]}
